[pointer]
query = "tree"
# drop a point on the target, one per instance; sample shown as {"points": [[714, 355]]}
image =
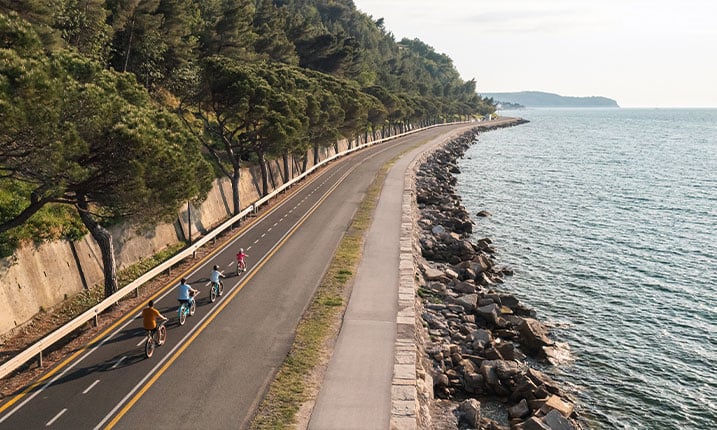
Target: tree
{"points": [[76, 134], [272, 41], [227, 28]]}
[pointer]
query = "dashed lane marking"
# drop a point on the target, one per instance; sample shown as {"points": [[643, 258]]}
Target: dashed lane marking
{"points": [[49, 423], [87, 390]]}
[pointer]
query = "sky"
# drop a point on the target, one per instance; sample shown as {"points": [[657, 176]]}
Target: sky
{"points": [[640, 53]]}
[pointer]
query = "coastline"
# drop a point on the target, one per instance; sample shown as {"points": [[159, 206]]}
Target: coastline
{"points": [[475, 343]]}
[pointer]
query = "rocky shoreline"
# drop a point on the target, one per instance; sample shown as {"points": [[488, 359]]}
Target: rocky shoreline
{"points": [[477, 345]]}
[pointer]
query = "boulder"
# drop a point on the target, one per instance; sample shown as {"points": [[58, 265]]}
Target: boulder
{"points": [[432, 274], [556, 403], [556, 421], [470, 409], [532, 423], [488, 312], [507, 369], [519, 410], [534, 335], [452, 274], [438, 230], [481, 338], [543, 381], [468, 302], [483, 213], [473, 382], [464, 287]]}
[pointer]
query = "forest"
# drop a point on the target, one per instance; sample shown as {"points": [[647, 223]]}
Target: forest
{"points": [[120, 110]]}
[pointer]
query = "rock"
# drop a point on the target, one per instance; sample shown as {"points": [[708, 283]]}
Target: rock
{"points": [[481, 338], [532, 423], [524, 389], [468, 302], [451, 273], [432, 274], [556, 403], [556, 421], [506, 350], [473, 383], [483, 213], [533, 335], [464, 287], [470, 409], [542, 380], [488, 312], [507, 369], [487, 369], [437, 230], [519, 410]]}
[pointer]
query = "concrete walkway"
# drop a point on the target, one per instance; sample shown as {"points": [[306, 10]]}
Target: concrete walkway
{"points": [[370, 382]]}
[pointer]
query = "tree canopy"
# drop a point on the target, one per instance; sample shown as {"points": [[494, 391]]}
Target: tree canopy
{"points": [[110, 107]]}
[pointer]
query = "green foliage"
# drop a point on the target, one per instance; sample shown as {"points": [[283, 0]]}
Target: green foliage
{"points": [[252, 79]]}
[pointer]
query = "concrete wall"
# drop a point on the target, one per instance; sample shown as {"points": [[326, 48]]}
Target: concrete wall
{"points": [[43, 276]]}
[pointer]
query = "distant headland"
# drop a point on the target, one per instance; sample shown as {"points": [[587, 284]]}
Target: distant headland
{"points": [[541, 99]]}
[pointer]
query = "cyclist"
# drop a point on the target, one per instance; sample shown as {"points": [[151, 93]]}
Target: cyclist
{"points": [[241, 264], [214, 277], [149, 317], [185, 292]]}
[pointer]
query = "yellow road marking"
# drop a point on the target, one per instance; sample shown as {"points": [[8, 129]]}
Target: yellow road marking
{"points": [[218, 310]]}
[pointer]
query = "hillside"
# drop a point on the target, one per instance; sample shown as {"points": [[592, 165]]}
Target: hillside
{"points": [[541, 99]]}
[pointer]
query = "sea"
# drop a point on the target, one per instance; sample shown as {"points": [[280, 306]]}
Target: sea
{"points": [[608, 218]]}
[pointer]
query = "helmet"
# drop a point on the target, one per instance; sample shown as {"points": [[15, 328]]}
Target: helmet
{"points": [[184, 280], [216, 267], [241, 250]]}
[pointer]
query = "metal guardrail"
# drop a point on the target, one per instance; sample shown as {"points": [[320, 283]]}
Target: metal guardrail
{"points": [[36, 349]]}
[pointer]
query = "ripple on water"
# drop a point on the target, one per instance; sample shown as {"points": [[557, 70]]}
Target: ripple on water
{"points": [[607, 218]]}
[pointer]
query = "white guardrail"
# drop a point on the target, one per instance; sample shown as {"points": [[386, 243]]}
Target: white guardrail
{"points": [[37, 348]]}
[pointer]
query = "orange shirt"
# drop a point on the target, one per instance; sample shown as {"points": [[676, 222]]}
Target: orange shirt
{"points": [[149, 315]]}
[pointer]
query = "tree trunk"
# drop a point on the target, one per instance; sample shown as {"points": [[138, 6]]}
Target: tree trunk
{"points": [[104, 240], [287, 172], [264, 174], [316, 154], [236, 176]]}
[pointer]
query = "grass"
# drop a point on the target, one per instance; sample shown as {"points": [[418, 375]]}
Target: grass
{"points": [[293, 384]]}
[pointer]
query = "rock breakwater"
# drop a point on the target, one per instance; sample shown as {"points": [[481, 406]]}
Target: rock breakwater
{"points": [[477, 343]]}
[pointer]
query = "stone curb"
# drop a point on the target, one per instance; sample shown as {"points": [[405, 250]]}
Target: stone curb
{"points": [[404, 388], [404, 392]]}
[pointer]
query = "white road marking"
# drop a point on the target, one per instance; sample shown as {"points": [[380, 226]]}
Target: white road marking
{"points": [[118, 362], [144, 339], [87, 390], [49, 423]]}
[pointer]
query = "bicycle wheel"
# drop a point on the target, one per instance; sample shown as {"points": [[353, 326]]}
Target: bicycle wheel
{"points": [[221, 288], [193, 307], [161, 334], [182, 314], [149, 347], [213, 293]]}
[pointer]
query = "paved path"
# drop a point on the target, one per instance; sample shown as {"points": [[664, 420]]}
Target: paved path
{"points": [[357, 390]]}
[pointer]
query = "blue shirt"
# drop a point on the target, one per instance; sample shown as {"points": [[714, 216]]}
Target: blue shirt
{"points": [[184, 291]]}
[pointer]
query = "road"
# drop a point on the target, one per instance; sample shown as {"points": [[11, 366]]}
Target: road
{"points": [[214, 370]]}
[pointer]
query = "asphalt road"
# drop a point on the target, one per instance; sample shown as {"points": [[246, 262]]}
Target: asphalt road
{"points": [[214, 370]]}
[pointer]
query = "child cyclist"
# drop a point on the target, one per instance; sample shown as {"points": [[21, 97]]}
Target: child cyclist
{"points": [[241, 263], [215, 278]]}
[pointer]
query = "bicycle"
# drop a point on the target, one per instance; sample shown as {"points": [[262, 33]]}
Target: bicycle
{"points": [[155, 337], [241, 266], [186, 308], [216, 290]]}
